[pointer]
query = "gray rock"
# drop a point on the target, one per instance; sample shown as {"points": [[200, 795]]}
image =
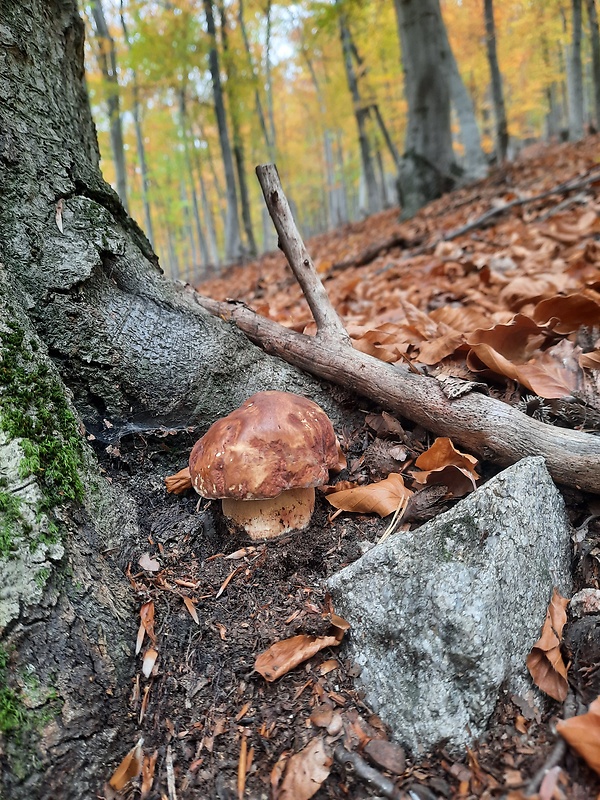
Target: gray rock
{"points": [[443, 616]]}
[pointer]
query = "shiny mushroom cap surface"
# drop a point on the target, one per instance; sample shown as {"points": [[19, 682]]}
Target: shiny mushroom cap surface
{"points": [[275, 441]]}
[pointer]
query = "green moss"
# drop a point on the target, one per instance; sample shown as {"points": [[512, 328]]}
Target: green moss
{"points": [[12, 710], [33, 409]]}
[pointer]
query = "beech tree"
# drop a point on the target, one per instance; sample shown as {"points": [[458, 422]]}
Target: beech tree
{"points": [[89, 330], [428, 166]]}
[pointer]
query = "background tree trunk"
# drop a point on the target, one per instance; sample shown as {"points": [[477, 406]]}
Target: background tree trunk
{"points": [[107, 59], [361, 113], [233, 246], [595, 43], [496, 79], [134, 350], [428, 162], [575, 76]]}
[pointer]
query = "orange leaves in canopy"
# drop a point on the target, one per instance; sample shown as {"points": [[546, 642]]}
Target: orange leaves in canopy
{"points": [[383, 497], [583, 734], [545, 662]]}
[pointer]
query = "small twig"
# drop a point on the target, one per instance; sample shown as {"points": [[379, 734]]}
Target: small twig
{"points": [[367, 773], [568, 201], [170, 774], [558, 751], [329, 325]]}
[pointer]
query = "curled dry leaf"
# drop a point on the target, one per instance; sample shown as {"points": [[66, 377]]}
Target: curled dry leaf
{"points": [[148, 767], [189, 604], [305, 772], [148, 563], [442, 453], [583, 734], [146, 625], [149, 661], [590, 360], [283, 656], [383, 497], [567, 313], [545, 662], [457, 480], [129, 768], [388, 755]]}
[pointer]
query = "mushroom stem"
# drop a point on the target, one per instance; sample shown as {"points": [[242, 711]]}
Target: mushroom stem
{"points": [[270, 517]]}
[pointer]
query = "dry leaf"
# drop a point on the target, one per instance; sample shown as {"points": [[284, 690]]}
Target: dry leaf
{"points": [[189, 604], [383, 497], [566, 314], [590, 360], [305, 772], [545, 662], [388, 755], [583, 734], [129, 768], [148, 767], [149, 660], [147, 618], [443, 453], [283, 656], [457, 480], [149, 564]]}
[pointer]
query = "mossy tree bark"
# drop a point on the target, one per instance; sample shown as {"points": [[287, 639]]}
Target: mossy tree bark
{"points": [[89, 330]]}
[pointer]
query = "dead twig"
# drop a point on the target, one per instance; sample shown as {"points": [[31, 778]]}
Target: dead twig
{"points": [[558, 751], [369, 774], [483, 425]]}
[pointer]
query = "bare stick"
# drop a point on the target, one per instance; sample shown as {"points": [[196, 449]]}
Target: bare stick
{"points": [[329, 324], [557, 753], [493, 430], [367, 773]]}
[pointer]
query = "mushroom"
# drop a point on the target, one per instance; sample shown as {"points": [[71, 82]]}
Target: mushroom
{"points": [[263, 461]]}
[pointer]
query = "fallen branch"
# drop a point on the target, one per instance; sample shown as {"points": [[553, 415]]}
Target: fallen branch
{"points": [[482, 425], [372, 776]]}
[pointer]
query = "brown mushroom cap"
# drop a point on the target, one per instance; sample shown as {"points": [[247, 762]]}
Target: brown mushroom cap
{"points": [[273, 442]]}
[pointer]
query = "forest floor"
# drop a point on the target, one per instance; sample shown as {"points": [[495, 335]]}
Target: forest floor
{"points": [[211, 601]]}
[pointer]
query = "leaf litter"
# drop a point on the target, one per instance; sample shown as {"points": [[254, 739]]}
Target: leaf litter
{"points": [[212, 725]]}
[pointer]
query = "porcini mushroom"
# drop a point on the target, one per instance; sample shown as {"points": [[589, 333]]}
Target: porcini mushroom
{"points": [[263, 461]]}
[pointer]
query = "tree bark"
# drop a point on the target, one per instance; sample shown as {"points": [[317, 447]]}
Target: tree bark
{"points": [[233, 245], [428, 162], [361, 114], [183, 124], [79, 281], [595, 43], [575, 76], [107, 59], [496, 79]]}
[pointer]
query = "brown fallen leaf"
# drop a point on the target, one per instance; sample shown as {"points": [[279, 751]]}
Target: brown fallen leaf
{"points": [[147, 618], [442, 453], [545, 662], [383, 497], [388, 755], [189, 604], [590, 360], [148, 767], [305, 772], [129, 768], [283, 656], [457, 480], [149, 661], [567, 313], [583, 734]]}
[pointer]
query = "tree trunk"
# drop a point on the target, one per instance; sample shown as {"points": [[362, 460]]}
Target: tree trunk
{"points": [[361, 114], [575, 76], [233, 246], [475, 163], [183, 123], [238, 145], [79, 281], [428, 162], [139, 139], [107, 59], [269, 80], [258, 102], [595, 43], [496, 78]]}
